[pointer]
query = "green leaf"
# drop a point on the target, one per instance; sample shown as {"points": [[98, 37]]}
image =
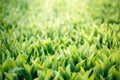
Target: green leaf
{"points": [[115, 56], [99, 64], [21, 59], [11, 76], [8, 64], [113, 73], [1, 75], [86, 75], [80, 64], [68, 70], [73, 76]]}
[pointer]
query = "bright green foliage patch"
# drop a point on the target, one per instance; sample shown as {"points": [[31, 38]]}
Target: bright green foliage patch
{"points": [[59, 39]]}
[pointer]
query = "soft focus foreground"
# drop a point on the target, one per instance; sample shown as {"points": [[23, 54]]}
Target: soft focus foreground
{"points": [[59, 39]]}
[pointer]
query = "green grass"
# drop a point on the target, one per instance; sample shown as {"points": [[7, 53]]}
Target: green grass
{"points": [[59, 40]]}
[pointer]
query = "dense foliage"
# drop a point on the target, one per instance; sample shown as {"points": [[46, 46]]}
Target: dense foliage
{"points": [[59, 40]]}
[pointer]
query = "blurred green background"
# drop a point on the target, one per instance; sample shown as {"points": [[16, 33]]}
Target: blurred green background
{"points": [[52, 12]]}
